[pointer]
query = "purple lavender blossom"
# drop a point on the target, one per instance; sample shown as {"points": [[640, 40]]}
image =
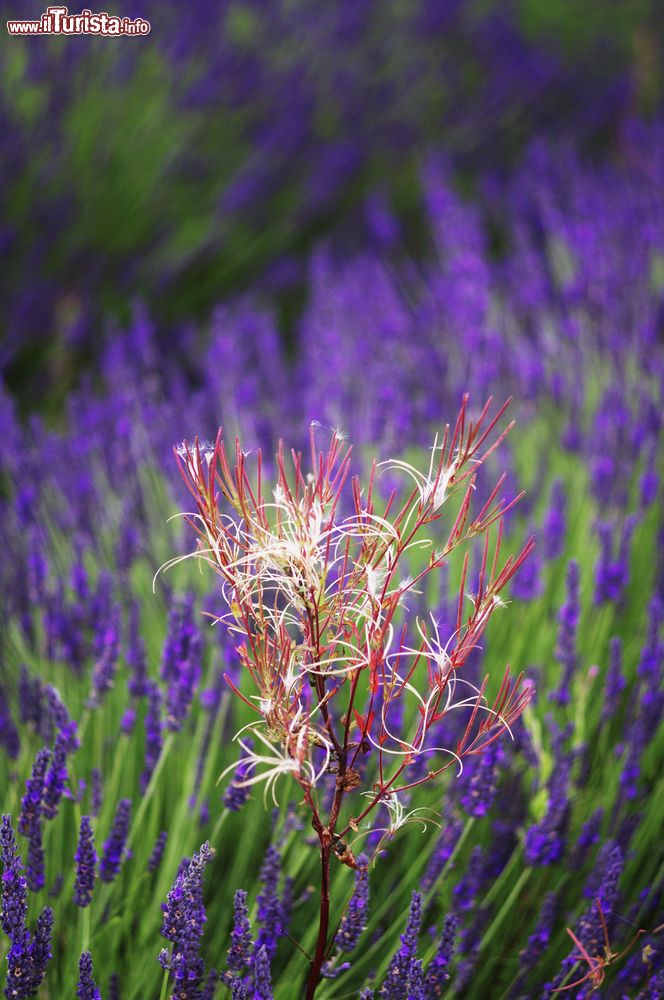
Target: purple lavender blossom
{"points": [[479, 791], [96, 791], [136, 654], [269, 904], [588, 837], [86, 988], [114, 847], [568, 618], [14, 885], [438, 971], [615, 680], [527, 585], [652, 654], [153, 733], [354, 919], [184, 922], [108, 646], [240, 950], [57, 710], [612, 574], [466, 889], [40, 951], [262, 978], [404, 965], [236, 795], [30, 824], [128, 720], [555, 522], [86, 861], [538, 941], [157, 852], [9, 736], [239, 990], [56, 777], [114, 987], [442, 853], [545, 841]]}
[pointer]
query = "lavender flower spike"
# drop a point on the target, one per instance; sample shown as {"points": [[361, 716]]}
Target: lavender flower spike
{"points": [[237, 794], [14, 885], [56, 777], [262, 979], [86, 860], [355, 918], [184, 920], [30, 819], [404, 964], [109, 866], [87, 988], [239, 953]]}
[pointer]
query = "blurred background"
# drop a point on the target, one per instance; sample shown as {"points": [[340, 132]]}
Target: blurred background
{"points": [[214, 157]]}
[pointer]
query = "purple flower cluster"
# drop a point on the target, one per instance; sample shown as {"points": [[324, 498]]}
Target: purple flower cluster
{"points": [[28, 956], [114, 847], [183, 925]]}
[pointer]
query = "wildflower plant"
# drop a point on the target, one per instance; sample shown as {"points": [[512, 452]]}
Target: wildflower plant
{"points": [[315, 577]]}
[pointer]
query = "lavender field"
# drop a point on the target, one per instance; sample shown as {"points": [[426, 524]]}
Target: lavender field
{"points": [[332, 576]]}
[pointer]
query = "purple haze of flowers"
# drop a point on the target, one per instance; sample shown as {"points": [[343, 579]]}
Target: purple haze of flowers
{"points": [[262, 978], [568, 619], [354, 919], [477, 795], [182, 638], [184, 922], [107, 658], [554, 526], [97, 791], [367, 994], [30, 824], [615, 680], [30, 698], [441, 853], [86, 988], [404, 965], [136, 654], [588, 837], [236, 794], [114, 847], [128, 720], [240, 950], [114, 987], [545, 841], [157, 851], [153, 733], [56, 776], [269, 904], [538, 941], [57, 711], [527, 584], [652, 654], [86, 862], [612, 573], [181, 662], [438, 971], [9, 737], [466, 889]]}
